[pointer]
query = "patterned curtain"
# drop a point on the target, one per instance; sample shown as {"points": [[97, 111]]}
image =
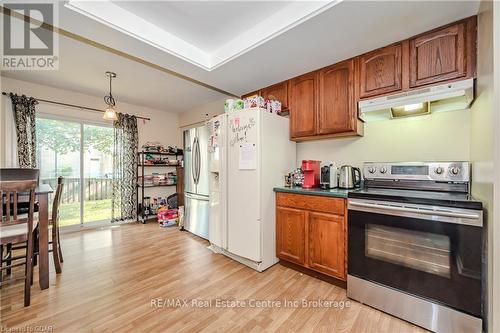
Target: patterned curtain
{"points": [[124, 200], [24, 117]]}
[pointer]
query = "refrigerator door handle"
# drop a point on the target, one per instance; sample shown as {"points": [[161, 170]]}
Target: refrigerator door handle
{"points": [[197, 196], [198, 161], [194, 158], [198, 167]]}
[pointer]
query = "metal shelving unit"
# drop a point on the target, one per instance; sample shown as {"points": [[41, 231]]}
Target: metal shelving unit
{"points": [[141, 216]]}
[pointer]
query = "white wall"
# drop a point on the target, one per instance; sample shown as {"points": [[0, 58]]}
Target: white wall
{"points": [[202, 113], [494, 266], [483, 141], [163, 127], [439, 136]]}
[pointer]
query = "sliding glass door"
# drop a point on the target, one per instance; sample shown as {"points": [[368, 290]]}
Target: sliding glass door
{"points": [[97, 172], [59, 151], [82, 154]]}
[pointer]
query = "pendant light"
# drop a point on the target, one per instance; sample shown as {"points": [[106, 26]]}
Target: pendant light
{"points": [[110, 112]]}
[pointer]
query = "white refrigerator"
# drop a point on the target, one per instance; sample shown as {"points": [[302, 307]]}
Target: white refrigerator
{"points": [[249, 153]]}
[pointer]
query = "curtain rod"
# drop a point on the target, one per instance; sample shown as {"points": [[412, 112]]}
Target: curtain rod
{"points": [[72, 105]]}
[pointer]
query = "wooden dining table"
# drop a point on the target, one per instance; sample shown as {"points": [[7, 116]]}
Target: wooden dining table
{"points": [[42, 194]]}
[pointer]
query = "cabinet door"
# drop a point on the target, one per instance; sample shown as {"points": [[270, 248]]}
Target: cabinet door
{"points": [[290, 235], [278, 92], [303, 105], [438, 55], [380, 71], [336, 93], [327, 244]]}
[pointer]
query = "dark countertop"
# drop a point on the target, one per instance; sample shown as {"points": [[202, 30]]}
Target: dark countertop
{"points": [[334, 192], [417, 197]]}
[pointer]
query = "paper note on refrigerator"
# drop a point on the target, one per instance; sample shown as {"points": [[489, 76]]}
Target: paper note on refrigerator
{"points": [[248, 156]]}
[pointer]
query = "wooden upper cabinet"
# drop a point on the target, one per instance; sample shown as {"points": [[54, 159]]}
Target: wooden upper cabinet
{"points": [[380, 71], [337, 108], [327, 244], [290, 235], [323, 104], [303, 105], [278, 92], [251, 94], [439, 55]]}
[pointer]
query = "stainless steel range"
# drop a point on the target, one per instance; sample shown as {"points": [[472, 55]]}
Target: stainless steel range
{"points": [[415, 240]]}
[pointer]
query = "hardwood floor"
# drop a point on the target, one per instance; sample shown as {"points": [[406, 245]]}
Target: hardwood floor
{"points": [[113, 277]]}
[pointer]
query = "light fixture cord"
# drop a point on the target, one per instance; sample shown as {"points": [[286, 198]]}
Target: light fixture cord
{"points": [[109, 100]]}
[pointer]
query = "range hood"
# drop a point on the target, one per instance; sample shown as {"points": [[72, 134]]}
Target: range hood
{"points": [[445, 97]]}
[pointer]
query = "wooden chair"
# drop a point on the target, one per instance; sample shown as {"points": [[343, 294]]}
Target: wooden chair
{"points": [[18, 174], [54, 221], [14, 230]]}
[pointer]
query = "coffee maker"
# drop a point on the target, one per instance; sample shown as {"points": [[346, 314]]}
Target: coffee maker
{"points": [[310, 168], [329, 177]]}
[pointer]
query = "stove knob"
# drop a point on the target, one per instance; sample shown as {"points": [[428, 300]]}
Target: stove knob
{"points": [[455, 170], [383, 170], [371, 170], [438, 170]]}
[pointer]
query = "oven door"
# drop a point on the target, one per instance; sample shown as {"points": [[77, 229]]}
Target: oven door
{"points": [[426, 251]]}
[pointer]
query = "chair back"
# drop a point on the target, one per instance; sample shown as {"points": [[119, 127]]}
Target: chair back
{"points": [[57, 202], [9, 192], [19, 174], [172, 201]]}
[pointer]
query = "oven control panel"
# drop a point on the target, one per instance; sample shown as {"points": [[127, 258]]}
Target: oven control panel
{"points": [[435, 171]]}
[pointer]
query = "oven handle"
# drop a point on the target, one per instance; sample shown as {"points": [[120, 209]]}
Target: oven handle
{"points": [[416, 210]]}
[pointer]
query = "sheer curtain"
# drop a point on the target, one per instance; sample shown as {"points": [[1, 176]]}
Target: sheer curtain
{"points": [[8, 145], [124, 200]]}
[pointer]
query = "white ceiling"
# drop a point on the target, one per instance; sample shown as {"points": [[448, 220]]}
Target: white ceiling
{"points": [[347, 29], [200, 23], [207, 34]]}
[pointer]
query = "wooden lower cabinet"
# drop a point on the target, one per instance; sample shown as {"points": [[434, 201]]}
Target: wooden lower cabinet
{"points": [[327, 244], [309, 237], [291, 235]]}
